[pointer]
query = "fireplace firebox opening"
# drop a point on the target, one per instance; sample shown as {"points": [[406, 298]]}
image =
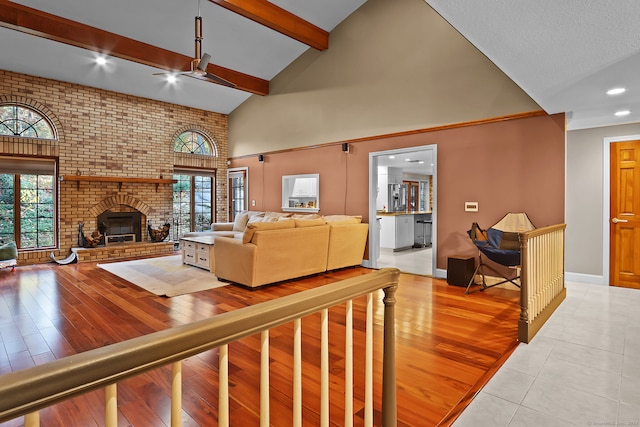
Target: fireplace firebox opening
{"points": [[119, 227]]}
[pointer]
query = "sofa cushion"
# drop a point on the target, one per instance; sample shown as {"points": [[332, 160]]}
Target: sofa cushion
{"points": [[305, 216], [309, 222], [275, 216], [8, 251], [240, 222], [343, 219], [271, 225]]}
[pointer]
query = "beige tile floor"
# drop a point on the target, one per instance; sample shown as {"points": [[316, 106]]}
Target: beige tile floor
{"points": [[582, 369], [415, 260]]}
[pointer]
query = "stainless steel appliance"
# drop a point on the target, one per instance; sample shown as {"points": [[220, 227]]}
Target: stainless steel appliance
{"points": [[397, 198]]}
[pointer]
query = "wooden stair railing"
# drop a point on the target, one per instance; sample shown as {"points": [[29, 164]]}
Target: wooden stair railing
{"points": [[541, 279], [25, 392]]}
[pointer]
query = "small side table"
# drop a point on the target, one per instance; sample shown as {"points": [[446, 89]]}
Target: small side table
{"points": [[460, 269]]}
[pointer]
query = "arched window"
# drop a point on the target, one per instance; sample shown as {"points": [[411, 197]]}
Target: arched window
{"points": [[194, 193], [28, 185], [23, 121], [194, 142]]}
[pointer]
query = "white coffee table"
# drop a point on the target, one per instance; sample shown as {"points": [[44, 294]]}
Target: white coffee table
{"points": [[198, 251]]}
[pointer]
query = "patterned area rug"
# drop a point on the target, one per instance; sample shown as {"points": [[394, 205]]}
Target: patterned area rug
{"points": [[164, 276]]}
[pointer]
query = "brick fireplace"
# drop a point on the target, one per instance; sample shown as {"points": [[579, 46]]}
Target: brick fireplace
{"points": [[122, 218], [121, 145]]}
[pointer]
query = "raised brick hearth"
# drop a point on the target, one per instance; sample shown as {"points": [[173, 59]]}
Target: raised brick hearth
{"points": [[124, 250]]}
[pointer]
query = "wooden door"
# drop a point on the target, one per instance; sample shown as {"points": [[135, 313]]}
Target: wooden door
{"points": [[413, 195], [625, 214]]}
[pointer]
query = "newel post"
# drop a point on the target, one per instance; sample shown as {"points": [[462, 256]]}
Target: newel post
{"points": [[523, 322], [389, 417]]}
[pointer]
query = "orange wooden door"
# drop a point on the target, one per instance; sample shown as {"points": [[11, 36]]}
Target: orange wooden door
{"points": [[624, 264]]}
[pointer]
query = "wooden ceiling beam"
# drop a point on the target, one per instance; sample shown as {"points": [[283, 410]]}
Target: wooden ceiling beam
{"points": [[278, 19], [52, 27]]}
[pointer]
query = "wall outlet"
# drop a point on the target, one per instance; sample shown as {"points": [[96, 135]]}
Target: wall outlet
{"points": [[253, 203]]}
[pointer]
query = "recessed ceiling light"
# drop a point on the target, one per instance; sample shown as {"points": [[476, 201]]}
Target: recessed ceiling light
{"points": [[421, 162], [101, 60], [392, 157], [623, 113], [407, 160], [171, 78], [616, 91]]}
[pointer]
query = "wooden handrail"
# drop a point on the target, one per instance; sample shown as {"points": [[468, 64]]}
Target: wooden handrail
{"points": [[25, 391]]}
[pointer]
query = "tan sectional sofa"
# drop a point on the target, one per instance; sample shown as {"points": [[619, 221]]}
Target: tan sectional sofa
{"points": [[288, 247]]}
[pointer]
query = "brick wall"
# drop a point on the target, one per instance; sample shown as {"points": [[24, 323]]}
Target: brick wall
{"points": [[109, 134]]}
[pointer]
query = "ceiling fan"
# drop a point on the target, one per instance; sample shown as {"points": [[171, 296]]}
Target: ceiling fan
{"points": [[199, 63]]}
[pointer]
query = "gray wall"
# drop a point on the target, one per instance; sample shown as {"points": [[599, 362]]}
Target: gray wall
{"points": [[587, 256], [392, 66]]}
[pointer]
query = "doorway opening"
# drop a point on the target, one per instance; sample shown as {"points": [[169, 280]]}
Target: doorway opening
{"points": [[402, 209], [238, 191]]}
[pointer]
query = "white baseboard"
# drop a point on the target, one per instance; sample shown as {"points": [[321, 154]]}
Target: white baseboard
{"points": [[586, 278]]}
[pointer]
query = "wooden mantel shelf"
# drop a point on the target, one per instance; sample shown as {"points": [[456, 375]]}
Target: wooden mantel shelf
{"points": [[119, 179]]}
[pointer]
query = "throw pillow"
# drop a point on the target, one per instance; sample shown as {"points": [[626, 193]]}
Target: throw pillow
{"points": [[510, 241], [8, 251], [275, 216], [240, 222], [256, 218], [305, 216], [271, 225]]}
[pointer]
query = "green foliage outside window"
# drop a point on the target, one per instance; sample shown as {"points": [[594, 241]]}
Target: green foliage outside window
{"points": [[6, 208], [36, 206], [193, 142], [18, 120]]}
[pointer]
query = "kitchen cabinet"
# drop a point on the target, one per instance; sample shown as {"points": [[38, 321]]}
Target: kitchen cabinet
{"points": [[397, 231], [301, 193]]}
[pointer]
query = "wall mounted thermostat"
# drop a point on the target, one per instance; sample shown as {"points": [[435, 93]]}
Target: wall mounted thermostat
{"points": [[471, 206]]}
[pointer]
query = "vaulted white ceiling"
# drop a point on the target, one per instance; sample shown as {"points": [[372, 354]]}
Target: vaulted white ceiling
{"points": [[234, 42], [564, 54]]}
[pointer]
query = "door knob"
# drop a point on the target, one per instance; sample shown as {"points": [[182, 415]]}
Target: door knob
{"points": [[616, 220]]}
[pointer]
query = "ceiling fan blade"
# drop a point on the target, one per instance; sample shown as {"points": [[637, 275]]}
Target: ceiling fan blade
{"points": [[219, 80], [178, 73], [212, 78]]}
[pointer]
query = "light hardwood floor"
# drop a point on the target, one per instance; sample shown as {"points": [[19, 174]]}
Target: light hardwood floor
{"points": [[448, 345]]}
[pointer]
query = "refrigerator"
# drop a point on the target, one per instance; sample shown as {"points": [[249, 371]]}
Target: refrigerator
{"points": [[397, 198]]}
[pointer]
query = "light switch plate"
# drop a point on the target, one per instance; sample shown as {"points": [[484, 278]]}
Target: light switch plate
{"points": [[471, 206]]}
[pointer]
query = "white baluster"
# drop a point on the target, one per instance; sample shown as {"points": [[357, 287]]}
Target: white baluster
{"points": [[223, 386], [32, 419], [264, 379], [297, 373], [176, 394], [324, 368], [368, 364], [348, 366], [111, 406]]}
